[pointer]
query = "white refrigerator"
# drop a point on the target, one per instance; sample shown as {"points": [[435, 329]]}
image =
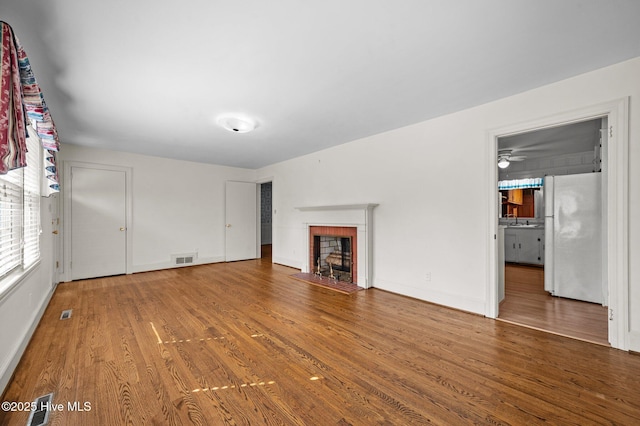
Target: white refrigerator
{"points": [[573, 237]]}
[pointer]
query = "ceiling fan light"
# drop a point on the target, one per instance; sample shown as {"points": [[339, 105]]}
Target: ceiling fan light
{"points": [[503, 162], [236, 124]]}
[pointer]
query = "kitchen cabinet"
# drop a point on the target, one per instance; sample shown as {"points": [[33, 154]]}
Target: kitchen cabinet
{"points": [[524, 245], [514, 196], [527, 209], [510, 245]]}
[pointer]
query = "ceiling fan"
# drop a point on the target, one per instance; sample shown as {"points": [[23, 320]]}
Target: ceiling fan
{"points": [[505, 158]]}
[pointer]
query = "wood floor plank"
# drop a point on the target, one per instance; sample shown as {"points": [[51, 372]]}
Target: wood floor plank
{"points": [[244, 343], [527, 303]]}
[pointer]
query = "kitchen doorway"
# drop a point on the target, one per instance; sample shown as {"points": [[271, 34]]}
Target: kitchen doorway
{"points": [[615, 184], [536, 273]]}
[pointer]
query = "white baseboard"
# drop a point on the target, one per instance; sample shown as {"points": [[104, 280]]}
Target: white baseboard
{"points": [[169, 265], [288, 262], [458, 302], [634, 341]]}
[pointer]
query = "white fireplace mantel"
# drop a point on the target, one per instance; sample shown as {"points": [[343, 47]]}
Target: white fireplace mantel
{"points": [[359, 216], [338, 207]]}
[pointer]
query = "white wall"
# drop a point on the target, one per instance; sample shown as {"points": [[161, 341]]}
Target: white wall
{"points": [[22, 307], [433, 221], [178, 206]]}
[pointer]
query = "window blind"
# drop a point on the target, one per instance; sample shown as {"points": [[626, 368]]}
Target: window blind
{"points": [[20, 211], [10, 221]]}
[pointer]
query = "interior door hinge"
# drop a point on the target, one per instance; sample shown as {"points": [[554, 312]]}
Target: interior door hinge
{"points": [[610, 314], [610, 131]]}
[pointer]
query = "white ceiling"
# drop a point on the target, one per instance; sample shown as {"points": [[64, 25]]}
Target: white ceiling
{"points": [[572, 138], [152, 76]]}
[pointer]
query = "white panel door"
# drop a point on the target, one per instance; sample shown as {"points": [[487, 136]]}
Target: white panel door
{"points": [[241, 221], [98, 223]]}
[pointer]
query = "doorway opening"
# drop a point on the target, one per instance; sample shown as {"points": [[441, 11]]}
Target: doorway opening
{"points": [[538, 260], [537, 158], [615, 205], [266, 220]]}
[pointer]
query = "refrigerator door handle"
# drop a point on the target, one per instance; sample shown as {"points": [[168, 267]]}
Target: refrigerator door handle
{"points": [[548, 255]]}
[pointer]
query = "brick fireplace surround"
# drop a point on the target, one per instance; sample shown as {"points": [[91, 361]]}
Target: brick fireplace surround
{"points": [[337, 231]]}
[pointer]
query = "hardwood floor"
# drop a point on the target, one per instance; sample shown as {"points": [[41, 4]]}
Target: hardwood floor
{"points": [[244, 343], [265, 250], [526, 303]]}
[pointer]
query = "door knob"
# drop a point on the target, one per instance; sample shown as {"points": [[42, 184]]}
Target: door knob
{"points": [[122, 229], [55, 232], [228, 225]]}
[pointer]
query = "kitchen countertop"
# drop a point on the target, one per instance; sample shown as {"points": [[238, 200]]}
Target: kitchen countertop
{"points": [[532, 226]]}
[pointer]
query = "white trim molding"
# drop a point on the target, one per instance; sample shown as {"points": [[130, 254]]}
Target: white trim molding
{"points": [[617, 174]]}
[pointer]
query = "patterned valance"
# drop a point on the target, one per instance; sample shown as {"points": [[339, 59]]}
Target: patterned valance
{"points": [[21, 102], [521, 183]]}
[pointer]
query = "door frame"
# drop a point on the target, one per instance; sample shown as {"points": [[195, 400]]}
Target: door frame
{"points": [[66, 213], [617, 205], [57, 225]]}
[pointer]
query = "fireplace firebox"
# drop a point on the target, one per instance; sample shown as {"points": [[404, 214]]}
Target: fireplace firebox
{"points": [[333, 252]]}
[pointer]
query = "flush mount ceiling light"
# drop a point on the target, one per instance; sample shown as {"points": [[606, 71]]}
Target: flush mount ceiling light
{"points": [[237, 124]]}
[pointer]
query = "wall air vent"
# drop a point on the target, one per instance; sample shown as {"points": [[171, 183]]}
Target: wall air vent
{"points": [[66, 314], [184, 259], [40, 413]]}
